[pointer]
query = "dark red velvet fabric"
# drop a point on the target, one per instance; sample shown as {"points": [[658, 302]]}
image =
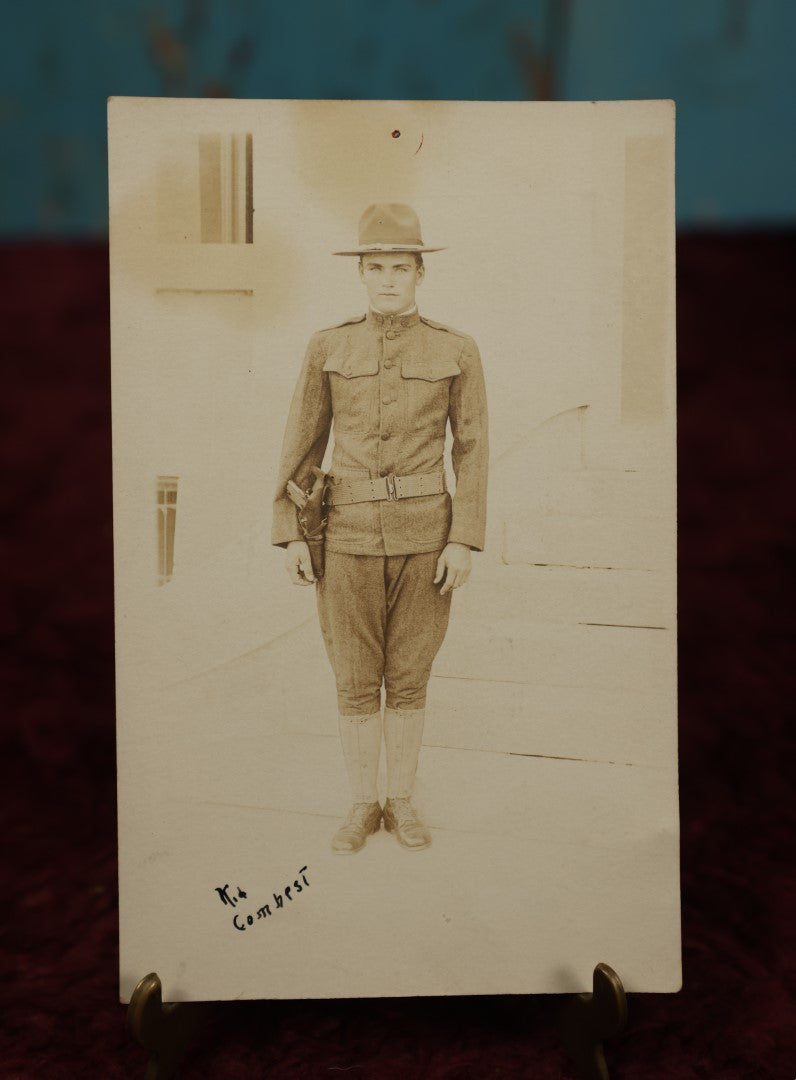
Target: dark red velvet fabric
{"points": [[734, 1017]]}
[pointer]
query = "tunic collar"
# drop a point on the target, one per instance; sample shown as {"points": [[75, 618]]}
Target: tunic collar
{"points": [[379, 321]]}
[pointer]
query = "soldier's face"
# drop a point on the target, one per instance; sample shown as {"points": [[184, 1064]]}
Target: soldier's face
{"points": [[391, 280]]}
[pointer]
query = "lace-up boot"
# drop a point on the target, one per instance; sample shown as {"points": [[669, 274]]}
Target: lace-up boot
{"points": [[400, 818], [363, 819]]}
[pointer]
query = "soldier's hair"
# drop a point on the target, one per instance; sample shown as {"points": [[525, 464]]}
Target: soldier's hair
{"points": [[416, 255]]}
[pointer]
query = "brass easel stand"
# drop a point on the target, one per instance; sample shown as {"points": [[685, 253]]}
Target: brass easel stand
{"points": [[165, 1031], [587, 1019]]}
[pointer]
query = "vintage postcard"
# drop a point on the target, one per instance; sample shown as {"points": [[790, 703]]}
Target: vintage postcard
{"points": [[395, 538]]}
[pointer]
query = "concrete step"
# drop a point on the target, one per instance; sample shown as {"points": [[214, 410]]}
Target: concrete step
{"points": [[516, 651], [517, 797], [566, 594], [574, 540], [582, 723]]}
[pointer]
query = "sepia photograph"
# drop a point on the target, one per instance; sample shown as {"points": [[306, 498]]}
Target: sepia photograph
{"points": [[394, 478]]}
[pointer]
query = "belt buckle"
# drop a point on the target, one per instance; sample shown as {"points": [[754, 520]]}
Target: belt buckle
{"points": [[392, 494]]}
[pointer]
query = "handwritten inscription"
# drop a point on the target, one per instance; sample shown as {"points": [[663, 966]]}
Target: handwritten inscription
{"points": [[241, 921], [223, 892]]}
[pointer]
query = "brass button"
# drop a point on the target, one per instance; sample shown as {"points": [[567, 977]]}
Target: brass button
{"points": [[386, 401], [385, 436], [390, 334], [388, 363]]}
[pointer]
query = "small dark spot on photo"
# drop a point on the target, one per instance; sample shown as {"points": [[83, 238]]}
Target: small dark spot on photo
{"points": [[396, 134]]}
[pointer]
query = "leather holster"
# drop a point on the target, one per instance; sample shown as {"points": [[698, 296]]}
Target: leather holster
{"points": [[312, 521]]}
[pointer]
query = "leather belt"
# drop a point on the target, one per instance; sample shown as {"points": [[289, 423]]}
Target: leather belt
{"points": [[349, 490]]}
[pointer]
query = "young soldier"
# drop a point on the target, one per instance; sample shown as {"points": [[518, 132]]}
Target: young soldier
{"points": [[397, 544]]}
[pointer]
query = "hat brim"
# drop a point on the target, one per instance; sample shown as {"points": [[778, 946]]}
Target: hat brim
{"points": [[389, 249]]}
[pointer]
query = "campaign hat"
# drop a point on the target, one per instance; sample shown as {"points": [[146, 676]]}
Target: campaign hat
{"points": [[389, 227]]}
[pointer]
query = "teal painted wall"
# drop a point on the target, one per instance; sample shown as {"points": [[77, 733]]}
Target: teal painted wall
{"points": [[727, 63]]}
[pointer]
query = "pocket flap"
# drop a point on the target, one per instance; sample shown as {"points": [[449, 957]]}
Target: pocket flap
{"points": [[430, 368], [351, 364]]}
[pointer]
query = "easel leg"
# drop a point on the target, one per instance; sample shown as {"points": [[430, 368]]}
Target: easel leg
{"points": [[588, 1019], [164, 1030]]}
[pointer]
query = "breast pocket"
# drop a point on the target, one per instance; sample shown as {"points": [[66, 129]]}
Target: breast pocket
{"points": [[355, 394], [426, 389]]}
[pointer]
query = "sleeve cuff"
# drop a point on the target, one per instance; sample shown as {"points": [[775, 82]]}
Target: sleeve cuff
{"points": [[285, 526], [472, 542]]}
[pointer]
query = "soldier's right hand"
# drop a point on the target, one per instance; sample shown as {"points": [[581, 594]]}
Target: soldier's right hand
{"points": [[298, 563]]}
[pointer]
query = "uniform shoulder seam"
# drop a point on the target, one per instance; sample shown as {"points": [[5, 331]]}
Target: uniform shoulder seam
{"points": [[442, 326], [346, 322]]}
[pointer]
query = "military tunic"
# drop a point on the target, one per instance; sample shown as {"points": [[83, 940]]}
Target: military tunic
{"points": [[389, 384]]}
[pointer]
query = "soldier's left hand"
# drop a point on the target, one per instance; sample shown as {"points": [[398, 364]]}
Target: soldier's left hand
{"points": [[453, 567]]}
